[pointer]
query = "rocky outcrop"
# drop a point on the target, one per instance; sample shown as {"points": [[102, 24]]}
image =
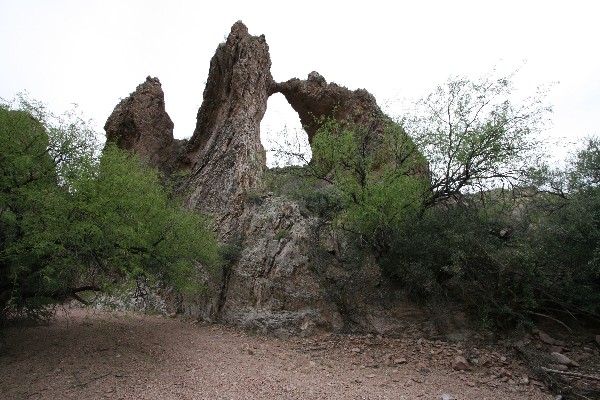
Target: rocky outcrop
{"points": [[140, 123], [314, 98], [272, 287], [295, 276], [228, 159], [290, 274]]}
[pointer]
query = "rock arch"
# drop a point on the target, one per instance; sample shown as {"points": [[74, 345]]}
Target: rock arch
{"points": [[224, 155], [271, 287]]}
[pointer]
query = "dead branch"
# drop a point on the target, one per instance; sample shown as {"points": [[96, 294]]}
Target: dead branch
{"points": [[573, 374], [552, 318], [75, 291]]}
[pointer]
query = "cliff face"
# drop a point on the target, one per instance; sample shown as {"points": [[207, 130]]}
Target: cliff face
{"points": [[291, 273]]}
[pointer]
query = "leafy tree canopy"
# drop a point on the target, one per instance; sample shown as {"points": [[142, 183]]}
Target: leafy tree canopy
{"points": [[73, 218]]}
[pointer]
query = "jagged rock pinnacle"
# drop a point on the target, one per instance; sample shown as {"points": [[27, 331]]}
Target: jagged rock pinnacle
{"points": [[140, 123]]}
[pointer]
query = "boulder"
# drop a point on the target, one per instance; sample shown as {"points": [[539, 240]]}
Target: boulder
{"points": [[460, 363], [544, 337]]}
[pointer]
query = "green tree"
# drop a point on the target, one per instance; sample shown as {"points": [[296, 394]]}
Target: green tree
{"points": [[72, 220], [475, 137], [375, 177], [568, 237]]}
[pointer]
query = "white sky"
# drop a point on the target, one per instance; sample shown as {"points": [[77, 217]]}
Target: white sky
{"points": [[95, 52]]}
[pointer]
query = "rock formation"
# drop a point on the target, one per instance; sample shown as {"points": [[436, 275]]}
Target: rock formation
{"points": [[228, 159], [291, 274], [315, 98], [141, 123]]}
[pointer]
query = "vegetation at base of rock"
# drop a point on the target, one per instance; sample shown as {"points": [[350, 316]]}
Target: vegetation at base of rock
{"points": [[74, 218], [482, 221]]}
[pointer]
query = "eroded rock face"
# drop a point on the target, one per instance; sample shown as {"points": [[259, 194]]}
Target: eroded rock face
{"points": [[228, 159], [140, 123], [272, 288]]}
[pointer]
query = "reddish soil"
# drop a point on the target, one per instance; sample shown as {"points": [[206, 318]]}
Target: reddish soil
{"points": [[98, 355]]}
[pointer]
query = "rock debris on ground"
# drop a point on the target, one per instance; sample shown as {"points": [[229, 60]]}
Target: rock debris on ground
{"points": [[85, 354]]}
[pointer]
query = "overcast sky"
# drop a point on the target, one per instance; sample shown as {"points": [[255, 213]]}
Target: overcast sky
{"points": [[94, 53]]}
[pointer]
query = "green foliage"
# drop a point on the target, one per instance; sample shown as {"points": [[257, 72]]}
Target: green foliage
{"points": [[324, 202], [584, 174], [509, 255], [231, 251], [478, 254], [301, 185], [475, 137], [375, 178], [71, 220], [467, 223], [569, 236]]}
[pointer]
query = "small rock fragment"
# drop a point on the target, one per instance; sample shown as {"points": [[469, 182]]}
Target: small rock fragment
{"points": [[400, 360], [460, 363], [537, 383], [564, 360], [448, 397], [544, 337], [598, 339], [246, 349], [504, 373]]}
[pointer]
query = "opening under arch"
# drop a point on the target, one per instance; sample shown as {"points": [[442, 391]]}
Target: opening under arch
{"points": [[282, 135]]}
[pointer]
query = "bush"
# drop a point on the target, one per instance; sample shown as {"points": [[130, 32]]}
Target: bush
{"points": [[72, 219]]}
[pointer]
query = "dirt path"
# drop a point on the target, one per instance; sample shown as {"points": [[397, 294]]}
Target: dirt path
{"points": [[88, 355]]}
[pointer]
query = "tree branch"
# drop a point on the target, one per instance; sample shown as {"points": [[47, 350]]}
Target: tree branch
{"points": [[573, 374]]}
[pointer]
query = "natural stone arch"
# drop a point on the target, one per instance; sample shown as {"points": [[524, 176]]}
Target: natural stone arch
{"points": [[224, 156], [314, 98], [271, 284]]}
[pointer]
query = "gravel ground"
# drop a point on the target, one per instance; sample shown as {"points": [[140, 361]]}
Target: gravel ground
{"points": [[99, 355]]}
